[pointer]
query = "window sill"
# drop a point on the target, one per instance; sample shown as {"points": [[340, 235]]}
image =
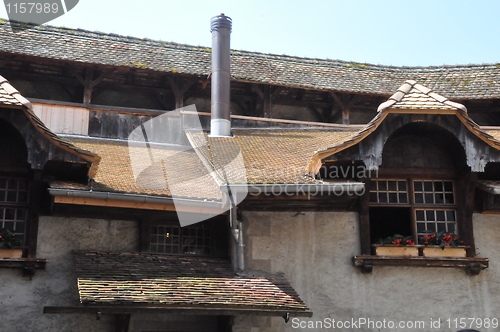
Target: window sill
{"points": [[472, 265], [29, 265]]}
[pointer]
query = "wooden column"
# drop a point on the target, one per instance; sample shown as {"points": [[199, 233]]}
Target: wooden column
{"points": [[179, 88], [33, 213], [89, 82], [364, 219], [345, 102], [122, 323], [465, 193], [267, 93]]}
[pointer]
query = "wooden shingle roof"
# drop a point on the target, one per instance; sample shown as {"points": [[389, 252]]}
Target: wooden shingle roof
{"points": [[456, 82], [178, 281]]}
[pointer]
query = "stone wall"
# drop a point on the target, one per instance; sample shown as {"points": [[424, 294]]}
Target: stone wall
{"points": [[22, 300], [314, 251]]}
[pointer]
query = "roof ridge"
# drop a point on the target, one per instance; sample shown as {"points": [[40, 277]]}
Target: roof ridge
{"points": [[4, 83], [147, 42], [410, 85]]}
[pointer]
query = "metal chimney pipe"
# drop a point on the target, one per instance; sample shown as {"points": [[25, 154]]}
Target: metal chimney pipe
{"points": [[220, 123]]}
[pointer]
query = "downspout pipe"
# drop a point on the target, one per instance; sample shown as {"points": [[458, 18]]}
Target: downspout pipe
{"points": [[237, 232], [220, 124]]}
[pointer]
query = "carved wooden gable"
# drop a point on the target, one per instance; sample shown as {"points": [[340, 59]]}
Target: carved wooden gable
{"points": [[410, 107]]}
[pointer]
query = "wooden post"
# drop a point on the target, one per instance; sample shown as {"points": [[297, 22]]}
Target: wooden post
{"points": [[33, 213], [89, 82], [122, 323], [346, 102], [267, 93], [364, 219], [179, 88], [465, 192]]}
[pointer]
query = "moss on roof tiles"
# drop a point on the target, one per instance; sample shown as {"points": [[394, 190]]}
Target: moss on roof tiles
{"points": [[456, 82]]}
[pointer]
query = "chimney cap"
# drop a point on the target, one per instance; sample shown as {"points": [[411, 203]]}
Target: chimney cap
{"points": [[221, 21]]}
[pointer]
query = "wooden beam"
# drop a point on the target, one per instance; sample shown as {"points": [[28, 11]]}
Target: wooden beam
{"points": [[472, 264], [134, 205], [179, 310]]}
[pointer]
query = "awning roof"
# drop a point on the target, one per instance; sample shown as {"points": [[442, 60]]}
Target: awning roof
{"points": [[127, 281]]}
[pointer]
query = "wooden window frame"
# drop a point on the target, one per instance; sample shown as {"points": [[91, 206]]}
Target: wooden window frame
{"points": [[411, 201], [464, 198], [216, 249], [29, 263]]}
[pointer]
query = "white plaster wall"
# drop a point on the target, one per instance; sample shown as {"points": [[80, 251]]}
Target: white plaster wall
{"points": [[22, 300], [314, 252]]}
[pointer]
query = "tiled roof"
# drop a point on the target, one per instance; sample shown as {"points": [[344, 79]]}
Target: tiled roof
{"points": [[177, 281], [456, 82], [271, 156], [10, 97], [414, 97], [115, 173]]}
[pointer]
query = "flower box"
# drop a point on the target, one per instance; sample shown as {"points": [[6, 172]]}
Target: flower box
{"points": [[388, 250], [436, 251], [11, 253]]}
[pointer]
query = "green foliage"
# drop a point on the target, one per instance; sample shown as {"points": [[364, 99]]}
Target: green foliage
{"points": [[398, 240], [8, 239], [441, 239]]}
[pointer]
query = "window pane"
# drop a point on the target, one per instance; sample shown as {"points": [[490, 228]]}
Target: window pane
{"points": [[431, 227], [441, 227], [403, 198], [417, 185], [382, 197], [402, 185], [420, 215], [440, 215], [438, 186], [429, 215], [439, 198], [428, 186], [382, 185], [429, 199], [419, 198], [391, 185], [393, 197], [449, 199], [450, 215], [448, 185]]}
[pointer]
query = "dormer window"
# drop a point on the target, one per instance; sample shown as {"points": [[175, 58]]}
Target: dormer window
{"points": [[412, 207]]}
